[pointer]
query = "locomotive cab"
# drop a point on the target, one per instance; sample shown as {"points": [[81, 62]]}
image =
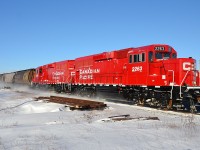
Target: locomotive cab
{"points": [[40, 75], [165, 69], [148, 63], [176, 75], [161, 71], [162, 79]]}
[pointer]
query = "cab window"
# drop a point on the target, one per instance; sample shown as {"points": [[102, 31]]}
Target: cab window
{"points": [[161, 55], [139, 57], [150, 56], [158, 55], [40, 71], [174, 55], [130, 59], [142, 57], [136, 58], [166, 55]]}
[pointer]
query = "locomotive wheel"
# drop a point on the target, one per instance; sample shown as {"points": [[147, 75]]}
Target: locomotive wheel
{"points": [[125, 94], [58, 89], [130, 97], [141, 102], [92, 94]]}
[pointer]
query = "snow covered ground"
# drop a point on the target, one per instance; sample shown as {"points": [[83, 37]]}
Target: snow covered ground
{"points": [[26, 124]]}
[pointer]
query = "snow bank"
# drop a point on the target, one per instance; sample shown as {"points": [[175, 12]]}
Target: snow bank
{"points": [[27, 124]]}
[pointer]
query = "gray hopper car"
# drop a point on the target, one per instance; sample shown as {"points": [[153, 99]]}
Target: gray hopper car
{"points": [[19, 77], [24, 76]]}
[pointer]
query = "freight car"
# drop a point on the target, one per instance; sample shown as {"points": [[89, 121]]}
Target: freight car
{"points": [[8, 77], [149, 75], [1, 77], [18, 77], [24, 76]]}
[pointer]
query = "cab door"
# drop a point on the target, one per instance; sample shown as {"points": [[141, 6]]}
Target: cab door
{"points": [[137, 68]]}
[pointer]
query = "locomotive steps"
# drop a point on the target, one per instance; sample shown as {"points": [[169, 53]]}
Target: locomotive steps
{"points": [[74, 103]]}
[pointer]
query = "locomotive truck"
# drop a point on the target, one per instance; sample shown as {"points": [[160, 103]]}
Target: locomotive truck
{"points": [[150, 75]]}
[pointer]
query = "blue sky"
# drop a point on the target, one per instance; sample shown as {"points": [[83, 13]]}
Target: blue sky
{"points": [[37, 32]]}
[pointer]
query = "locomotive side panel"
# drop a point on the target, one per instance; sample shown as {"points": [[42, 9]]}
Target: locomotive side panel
{"points": [[104, 68], [111, 72], [51, 73], [70, 71], [59, 72], [84, 70], [62, 73]]}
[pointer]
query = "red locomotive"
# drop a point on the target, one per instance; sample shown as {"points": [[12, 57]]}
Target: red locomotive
{"points": [[56, 75], [149, 75]]}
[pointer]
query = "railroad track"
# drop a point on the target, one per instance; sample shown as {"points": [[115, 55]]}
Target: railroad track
{"points": [[147, 106], [119, 101], [81, 104]]}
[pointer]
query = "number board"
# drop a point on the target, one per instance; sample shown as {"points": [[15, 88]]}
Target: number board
{"points": [[159, 48]]}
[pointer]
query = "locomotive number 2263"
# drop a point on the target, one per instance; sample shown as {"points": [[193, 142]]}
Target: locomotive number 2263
{"points": [[137, 69]]}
